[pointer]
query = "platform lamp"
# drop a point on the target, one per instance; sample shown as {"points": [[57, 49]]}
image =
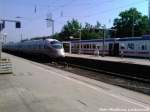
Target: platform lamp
{"points": [[80, 37], [4, 38], [80, 40]]}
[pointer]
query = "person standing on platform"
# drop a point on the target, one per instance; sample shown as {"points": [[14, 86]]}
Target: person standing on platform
{"points": [[96, 51]]}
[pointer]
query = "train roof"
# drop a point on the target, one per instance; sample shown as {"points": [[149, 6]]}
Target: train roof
{"points": [[145, 37], [51, 39], [38, 38], [94, 40]]}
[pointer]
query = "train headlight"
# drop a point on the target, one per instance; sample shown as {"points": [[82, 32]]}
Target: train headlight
{"points": [[62, 52]]}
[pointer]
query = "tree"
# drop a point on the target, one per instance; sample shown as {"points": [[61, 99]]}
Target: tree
{"points": [[98, 25], [57, 36], [92, 32], [131, 23], [71, 29]]}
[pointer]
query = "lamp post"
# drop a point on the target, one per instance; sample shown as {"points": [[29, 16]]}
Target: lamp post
{"points": [[80, 37], [104, 36]]}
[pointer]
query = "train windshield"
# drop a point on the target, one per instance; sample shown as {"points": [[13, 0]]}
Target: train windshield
{"points": [[57, 44]]}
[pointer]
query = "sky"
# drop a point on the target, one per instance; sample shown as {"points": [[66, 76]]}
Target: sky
{"points": [[32, 14]]}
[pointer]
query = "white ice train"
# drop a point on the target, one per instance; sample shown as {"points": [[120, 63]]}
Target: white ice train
{"points": [[49, 47], [136, 47]]}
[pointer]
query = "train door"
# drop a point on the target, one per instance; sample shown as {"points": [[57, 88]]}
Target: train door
{"points": [[67, 47], [116, 49], [111, 49]]}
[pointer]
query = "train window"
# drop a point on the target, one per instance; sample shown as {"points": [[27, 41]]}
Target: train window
{"points": [[122, 47], [84, 46], [44, 46], [144, 47], [74, 46], [87, 46], [98, 47], [77, 45], [57, 44], [94, 46], [91, 46], [130, 46]]}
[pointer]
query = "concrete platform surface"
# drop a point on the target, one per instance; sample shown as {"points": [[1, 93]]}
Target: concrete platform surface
{"points": [[112, 59], [34, 87]]}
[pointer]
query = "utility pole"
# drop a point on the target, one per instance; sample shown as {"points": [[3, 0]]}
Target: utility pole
{"points": [[52, 27], [80, 41], [104, 35], [149, 13], [2, 26], [50, 22]]}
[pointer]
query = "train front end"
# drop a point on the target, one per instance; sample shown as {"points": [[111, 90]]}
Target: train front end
{"points": [[56, 49]]}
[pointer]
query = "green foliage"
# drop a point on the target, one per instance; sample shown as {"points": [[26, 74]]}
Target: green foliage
{"points": [[127, 22], [73, 28], [92, 32], [70, 29], [131, 20]]}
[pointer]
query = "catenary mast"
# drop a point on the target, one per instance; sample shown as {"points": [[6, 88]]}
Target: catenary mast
{"points": [[149, 11]]}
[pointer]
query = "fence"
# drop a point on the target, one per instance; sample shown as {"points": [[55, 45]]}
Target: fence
{"points": [[5, 66]]}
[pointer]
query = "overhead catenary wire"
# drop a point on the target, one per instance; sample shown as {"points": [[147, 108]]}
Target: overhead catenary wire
{"points": [[110, 10], [99, 12], [68, 17]]}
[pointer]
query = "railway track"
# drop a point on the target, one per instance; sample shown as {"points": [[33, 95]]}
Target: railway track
{"points": [[104, 72], [122, 80], [135, 84]]}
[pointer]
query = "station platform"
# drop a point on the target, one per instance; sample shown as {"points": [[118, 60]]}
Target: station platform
{"points": [[34, 87], [112, 59]]}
